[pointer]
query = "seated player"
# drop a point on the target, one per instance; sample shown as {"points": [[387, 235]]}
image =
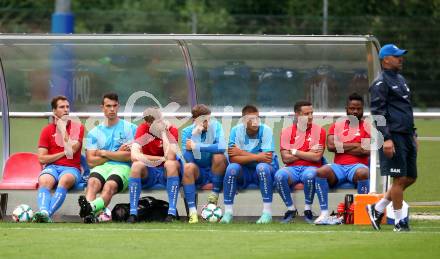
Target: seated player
{"points": [[351, 157], [59, 149], [302, 147], [252, 161], [203, 145], [154, 162], [108, 155]]}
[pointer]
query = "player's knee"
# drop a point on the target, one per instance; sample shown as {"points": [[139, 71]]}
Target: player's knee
{"points": [[323, 172], [232, 169], [219, 160], [136, 168], [281, 176], [171, 164], [110, 188], [362, 174], [137, 165], [93, 183], [67, 181], [46, 180], [172, 168], [189, 168], [189, 172], [319, 173]]}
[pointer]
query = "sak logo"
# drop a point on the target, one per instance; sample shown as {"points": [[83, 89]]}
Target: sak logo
{"points": [[395, 170]]}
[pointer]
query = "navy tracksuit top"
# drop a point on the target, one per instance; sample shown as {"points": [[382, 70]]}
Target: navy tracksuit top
{"points": [[391, 98]]}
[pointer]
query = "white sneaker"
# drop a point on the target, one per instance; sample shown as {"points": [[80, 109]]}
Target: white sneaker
{"points": [[327, 220]]}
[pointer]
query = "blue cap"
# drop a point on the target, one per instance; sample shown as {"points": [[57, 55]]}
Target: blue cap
{"points": [[391, 50]]}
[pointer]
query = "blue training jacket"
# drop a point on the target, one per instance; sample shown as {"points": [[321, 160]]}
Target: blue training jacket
{"points": [[391, 98]]}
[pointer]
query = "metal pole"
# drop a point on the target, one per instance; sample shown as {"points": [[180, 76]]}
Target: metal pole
{"points": [[61, 82], [4, 107], [325, 17], [62, 18]]}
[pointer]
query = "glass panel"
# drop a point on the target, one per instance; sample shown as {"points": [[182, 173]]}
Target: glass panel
{"points": [[36, 70], [86, 69], [274, 75], [1, 135]]}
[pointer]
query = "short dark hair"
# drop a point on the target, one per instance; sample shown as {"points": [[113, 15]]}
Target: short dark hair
{"points": [[151, 114], [355, 97], [248, 109], [111, 96], [300, 104], [54, 102], [199, 110]]}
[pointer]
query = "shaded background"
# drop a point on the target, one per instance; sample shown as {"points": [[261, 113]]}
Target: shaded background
{"points": [[413, 25]]}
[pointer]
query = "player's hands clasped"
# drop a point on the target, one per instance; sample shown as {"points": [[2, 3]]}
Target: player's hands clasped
{"points": [[265, 157], [125, 147], [318, 148], [234, 151]]}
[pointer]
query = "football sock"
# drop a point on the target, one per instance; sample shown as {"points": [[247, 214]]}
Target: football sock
{"points": [[173, 192], [265, 182], [57, 200], [382, 204], [307, 207], [282, 182], [97, 205], [397, 216], [291, 207], [309, 186], [228, 208], [43, 198], [190, 195], [217, 182], [321, 185], [267, 207], [230, 183], [363, 186], [324, 212], [134, 187], [192, 210]]}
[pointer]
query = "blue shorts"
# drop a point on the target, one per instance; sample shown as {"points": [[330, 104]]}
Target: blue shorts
{"points": [[157, 176], [298, 173], [205, 176], [249, 178], [58, 170], [345, 173]]}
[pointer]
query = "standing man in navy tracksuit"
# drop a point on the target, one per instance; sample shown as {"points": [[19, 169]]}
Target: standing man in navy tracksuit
{"points": [[390, 98]]}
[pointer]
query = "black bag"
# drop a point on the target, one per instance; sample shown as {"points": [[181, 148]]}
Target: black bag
{"points": [[149, 209]]}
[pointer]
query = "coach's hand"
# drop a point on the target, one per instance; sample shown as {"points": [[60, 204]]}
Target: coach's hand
{"points": [[388, 149]]}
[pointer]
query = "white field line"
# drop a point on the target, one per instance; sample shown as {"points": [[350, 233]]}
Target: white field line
{"points": [[413, 230], [429, 138], [425, 217]]}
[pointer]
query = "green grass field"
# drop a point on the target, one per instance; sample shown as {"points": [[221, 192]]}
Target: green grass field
{"points": [[238, 240]]}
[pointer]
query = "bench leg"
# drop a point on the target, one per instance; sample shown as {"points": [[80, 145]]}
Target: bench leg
{"points": [[3, 205]]}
